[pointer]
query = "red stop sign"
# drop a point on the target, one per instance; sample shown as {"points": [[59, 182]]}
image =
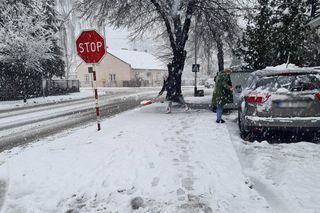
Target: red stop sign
{"points": [[90, 46]]}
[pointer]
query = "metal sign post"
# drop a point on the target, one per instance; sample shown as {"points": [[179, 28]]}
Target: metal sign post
{"points": [[195, 69], [96, 96], [91, 49]]}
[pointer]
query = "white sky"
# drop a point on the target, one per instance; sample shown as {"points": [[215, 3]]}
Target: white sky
{"points": [[118, 39]]}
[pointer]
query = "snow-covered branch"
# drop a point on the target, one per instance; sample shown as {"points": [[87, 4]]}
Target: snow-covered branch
{"points": [[25, 40]]}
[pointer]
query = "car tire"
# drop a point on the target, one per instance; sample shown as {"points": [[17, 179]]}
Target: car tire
{"points": [[245, 135]]}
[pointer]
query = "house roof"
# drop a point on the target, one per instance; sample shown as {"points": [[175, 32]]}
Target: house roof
{"points": [[138, 60]]}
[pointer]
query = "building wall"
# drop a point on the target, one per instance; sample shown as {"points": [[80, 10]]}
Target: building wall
{"points": [[111, 72], [152, 78]]}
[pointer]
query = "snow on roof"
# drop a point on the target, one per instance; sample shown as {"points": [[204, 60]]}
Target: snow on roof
{"points": [[284, 68], [138, 60]]}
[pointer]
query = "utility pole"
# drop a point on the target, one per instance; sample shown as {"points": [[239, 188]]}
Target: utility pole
{"points": [[195, 55], [208, 65]]}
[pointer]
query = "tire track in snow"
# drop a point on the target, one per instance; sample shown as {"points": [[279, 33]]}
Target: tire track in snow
{"points": [[3, 192], [258, 182], [273, 196]]}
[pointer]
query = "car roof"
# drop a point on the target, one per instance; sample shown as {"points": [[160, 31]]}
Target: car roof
{"points": [[270, 71]]}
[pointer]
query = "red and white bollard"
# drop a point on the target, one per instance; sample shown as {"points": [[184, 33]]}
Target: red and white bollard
{"points": [[96, 96]]}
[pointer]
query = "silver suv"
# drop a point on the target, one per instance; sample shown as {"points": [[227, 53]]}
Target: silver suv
{"points": [[280, 99]]}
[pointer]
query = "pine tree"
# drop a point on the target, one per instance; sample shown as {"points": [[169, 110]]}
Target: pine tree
{"points": [[309, 51], [290, 32], [280, 35], [55, 65], [255, 47]]}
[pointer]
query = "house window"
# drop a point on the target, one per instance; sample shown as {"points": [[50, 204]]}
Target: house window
{"points": [[148, 74], [112, 77], [86, 78]]}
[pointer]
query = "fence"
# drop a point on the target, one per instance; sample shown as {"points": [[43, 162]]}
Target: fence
{"points": [[13, 89], [138, 83], [132, 83], [59, 87]]}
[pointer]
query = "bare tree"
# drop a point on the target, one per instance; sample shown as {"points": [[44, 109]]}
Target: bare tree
{"points": [[217, 31], [169, 17]]}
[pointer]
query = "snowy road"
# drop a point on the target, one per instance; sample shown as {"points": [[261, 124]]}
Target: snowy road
{"points": [[22, 125], [26, 123]]}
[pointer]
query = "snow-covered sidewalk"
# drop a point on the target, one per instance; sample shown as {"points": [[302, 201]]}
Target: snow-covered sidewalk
{"points": [[179, 162]]}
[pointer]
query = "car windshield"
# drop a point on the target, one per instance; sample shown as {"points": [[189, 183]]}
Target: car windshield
{"points": [[295, 82]]}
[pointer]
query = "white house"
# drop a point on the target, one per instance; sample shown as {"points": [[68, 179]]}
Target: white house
{"points": [[120, 68]]}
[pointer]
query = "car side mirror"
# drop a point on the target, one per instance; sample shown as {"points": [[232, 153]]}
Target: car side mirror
{"points": [[238, 88]]}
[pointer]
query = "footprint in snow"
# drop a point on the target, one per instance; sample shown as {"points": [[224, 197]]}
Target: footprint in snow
{"points": [[155, 181]]}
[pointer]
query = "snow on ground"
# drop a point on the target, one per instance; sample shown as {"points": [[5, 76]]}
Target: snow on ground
{"points": [[84, 93], [199, 100], [43, 100], [286, 175], [179, 162]]}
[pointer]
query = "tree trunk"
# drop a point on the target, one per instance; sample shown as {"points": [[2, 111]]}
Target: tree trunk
{"points": [[178, 36], [220, 54], [208, 59], [175, 72]]}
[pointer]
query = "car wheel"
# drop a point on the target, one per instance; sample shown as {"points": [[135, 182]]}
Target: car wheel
{"points": [[245, 135]]}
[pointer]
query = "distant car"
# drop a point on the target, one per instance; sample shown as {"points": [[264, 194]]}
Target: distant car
{"points": [[287, 99], [209, 83]]}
